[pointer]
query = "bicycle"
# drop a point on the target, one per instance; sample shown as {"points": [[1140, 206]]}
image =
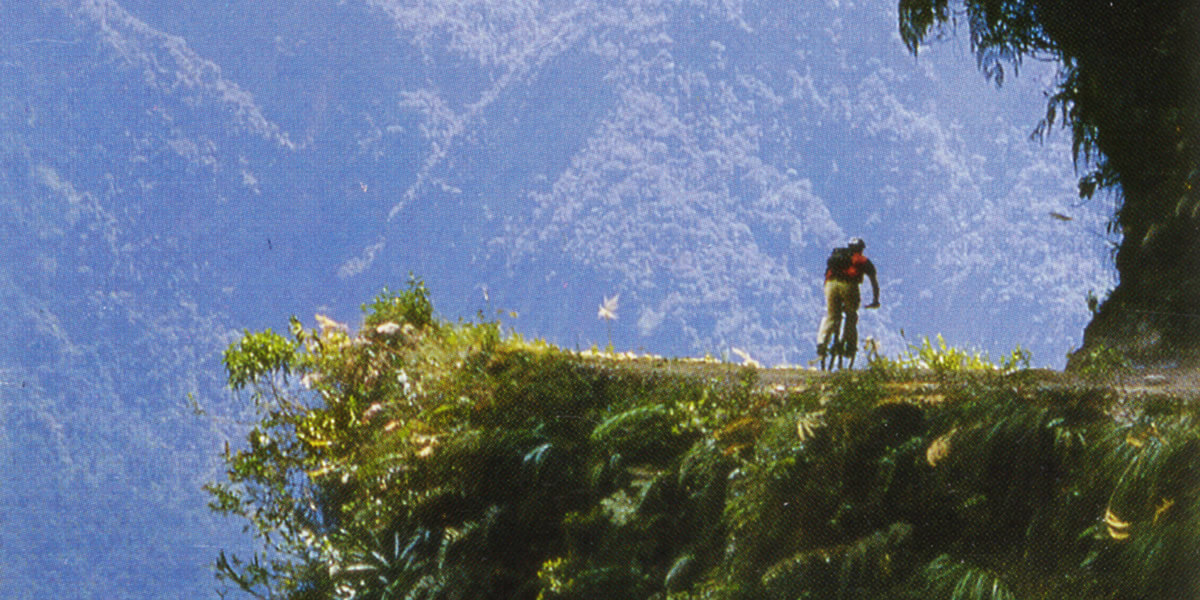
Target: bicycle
{"points": [[839, 349]]}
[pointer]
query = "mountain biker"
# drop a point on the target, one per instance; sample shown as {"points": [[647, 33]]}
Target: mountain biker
{"points": [[843, 275]]}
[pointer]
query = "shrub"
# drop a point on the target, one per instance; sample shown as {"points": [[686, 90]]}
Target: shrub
{"points": [[943, 359], [411, 306]]}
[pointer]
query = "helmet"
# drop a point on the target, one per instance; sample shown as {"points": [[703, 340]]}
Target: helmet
{"points": [[856, 242]]}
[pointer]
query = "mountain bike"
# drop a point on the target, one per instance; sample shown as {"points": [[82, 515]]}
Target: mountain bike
{"points": [[839, 351]]}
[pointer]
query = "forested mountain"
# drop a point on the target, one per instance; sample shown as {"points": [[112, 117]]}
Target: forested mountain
{"points": [[171, 173]]}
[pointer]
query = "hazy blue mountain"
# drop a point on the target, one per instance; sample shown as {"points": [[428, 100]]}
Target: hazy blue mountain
{"points": [[171, 173]]}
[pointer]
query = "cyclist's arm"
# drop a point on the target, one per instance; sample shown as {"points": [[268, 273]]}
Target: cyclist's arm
{"points": [[869, 271]]}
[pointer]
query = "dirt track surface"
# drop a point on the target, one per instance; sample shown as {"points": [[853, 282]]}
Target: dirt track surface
{"points": [[1184, 383]]}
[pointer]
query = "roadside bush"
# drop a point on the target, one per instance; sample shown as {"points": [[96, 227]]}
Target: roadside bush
{"points": [[456, 462]]}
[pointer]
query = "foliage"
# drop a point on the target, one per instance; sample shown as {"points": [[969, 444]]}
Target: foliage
{"points": [[449, 461], [1102, 363], [1154, 49], [943, 359], [411, 306], [952, 580], [257, 355]]}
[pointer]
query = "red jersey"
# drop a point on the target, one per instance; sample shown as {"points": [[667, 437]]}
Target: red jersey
{"points": [[859, 265]]}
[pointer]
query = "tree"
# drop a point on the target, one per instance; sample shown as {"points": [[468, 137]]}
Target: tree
{"points": [[1128, 87]]}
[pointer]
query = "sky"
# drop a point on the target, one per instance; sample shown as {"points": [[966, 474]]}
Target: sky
{"points": [[173, 174]]}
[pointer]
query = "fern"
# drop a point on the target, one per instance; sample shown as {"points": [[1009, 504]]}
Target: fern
{"points": [[1146, 541], [948, 579], [843, 571]]}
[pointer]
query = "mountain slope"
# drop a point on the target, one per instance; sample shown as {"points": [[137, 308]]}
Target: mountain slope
{"points": [[172, 174]]}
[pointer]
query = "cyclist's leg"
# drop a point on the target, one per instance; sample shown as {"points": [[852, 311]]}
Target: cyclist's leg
{"points": [[834, 344], [850, 323], [832, 321], [849, 333]]}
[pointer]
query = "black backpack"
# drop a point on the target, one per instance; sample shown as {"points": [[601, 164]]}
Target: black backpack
{"points": [[840, 261]]}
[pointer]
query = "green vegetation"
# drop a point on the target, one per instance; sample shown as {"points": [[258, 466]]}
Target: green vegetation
{"points": [[943, 359], [431, 460]]}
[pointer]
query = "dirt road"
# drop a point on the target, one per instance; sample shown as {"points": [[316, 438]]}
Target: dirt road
{"points": [[1183, 383]]}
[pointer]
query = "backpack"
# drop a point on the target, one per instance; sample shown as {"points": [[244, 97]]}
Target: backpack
{"points": [[841, 263]]}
